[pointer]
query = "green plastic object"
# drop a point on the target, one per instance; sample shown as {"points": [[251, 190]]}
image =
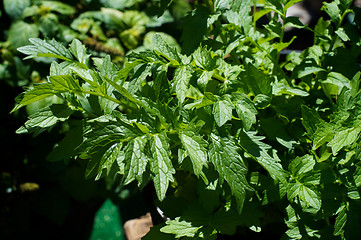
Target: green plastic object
{"points": [[107, 223]]}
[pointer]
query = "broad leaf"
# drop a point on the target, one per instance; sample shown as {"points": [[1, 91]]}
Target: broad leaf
{"points": [[79, 51], [161, 164], [344, 138], [181, 82], [45, 118], [136, 160], [230, 166], [37, 93], [253, 145], [46, 48], [222, 111], [195, 148], [180, 228]]}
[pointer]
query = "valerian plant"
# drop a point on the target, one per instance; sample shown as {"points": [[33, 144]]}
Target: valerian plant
{"points": [[231, 134]]}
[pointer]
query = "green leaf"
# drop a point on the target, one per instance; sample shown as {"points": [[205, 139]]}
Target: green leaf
{"points": [[49, 24], [342, 34], [251, 143], [222, 111], [79, 51], [222, 4], [65, 83], [65, 149], [332, 10], [181, 80], [164, 49], [306, 194], [334, 83], [341, 220], [59, 7], [294, 22], [45, 118], [355, 84], [205, 58], [289, 4], [308, 70], [35, 94], [180, 228], [195, 148], [310, 120], [15, 8], [230, 166], [139, 78], [20, 32], [259, 82], [344, 138], [301, 165], [136, 160], [46, 48], [161, 164], [110, 156], [246, 110], [323, 134], [163, 5]]}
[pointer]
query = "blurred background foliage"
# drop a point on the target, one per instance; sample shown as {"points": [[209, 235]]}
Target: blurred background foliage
{"points": [[39, 197]]}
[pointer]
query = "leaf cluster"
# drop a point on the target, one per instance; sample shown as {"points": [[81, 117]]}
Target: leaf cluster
{"points": [[229, 132]]}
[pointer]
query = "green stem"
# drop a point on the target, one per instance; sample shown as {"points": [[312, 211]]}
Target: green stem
{"points": [[218, 77], [281, 37], [102, 95]]}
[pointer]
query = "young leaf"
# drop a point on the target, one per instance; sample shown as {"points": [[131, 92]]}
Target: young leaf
{"points": [[230, 166], [161, 164], [306, 193], [195, 147]]}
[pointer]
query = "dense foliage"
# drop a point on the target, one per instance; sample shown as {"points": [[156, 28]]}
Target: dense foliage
{"points": [[235, 137]]}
